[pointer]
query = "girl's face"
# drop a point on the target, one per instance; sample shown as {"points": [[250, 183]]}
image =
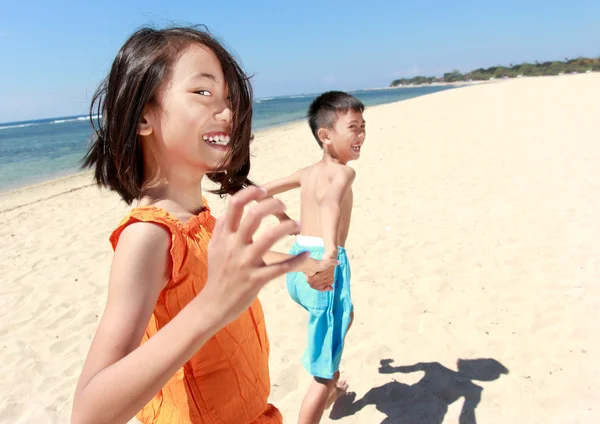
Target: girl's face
{"points": [[191, 127]]}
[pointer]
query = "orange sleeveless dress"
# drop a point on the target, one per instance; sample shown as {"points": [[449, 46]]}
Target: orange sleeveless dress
{"points": [[227, 380]]}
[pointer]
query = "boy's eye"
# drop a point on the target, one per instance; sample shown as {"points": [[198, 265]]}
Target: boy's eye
{"points": [[204, 92]]}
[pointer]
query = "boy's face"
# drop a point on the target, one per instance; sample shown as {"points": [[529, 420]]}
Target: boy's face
{"points": [[347, 136]]}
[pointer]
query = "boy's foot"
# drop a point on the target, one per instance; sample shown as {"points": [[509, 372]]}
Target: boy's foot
{"points": [[338, 390]]}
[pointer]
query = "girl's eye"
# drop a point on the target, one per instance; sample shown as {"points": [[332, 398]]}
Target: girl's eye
{"points": [[204, 92]]}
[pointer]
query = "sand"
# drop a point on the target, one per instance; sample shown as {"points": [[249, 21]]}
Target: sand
{"points": [[474, 236]]}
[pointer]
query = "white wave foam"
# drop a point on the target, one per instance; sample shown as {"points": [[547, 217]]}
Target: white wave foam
{"points": [[16, 126], [80, 118]]}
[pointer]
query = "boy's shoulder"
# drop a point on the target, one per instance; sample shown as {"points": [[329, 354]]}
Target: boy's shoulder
{"points": [[329, 173], [341, 172]]}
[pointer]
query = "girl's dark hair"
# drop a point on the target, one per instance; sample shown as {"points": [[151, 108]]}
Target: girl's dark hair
{"points": [[140, 67]]}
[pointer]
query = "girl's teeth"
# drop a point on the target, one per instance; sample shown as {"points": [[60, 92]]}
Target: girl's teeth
{"points": [[217, 139]]}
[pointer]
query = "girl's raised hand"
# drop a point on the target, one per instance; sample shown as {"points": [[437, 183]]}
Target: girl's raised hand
{"points": [[236, 270]]}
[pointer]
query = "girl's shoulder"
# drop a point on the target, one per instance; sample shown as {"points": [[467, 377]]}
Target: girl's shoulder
{"points": [[159, 216], [196, 232]]}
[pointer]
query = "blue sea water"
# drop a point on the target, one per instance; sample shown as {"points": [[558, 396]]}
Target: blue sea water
{"points": [[35, 151]]}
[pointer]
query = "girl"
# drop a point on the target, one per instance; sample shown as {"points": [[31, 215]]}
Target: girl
{"points": [[182, 338]]}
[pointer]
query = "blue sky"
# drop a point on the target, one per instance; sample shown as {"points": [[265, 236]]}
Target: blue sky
{"points": [[53, 54]]}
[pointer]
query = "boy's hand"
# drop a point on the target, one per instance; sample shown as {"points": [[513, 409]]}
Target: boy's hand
{"points": [[331, 253], [322, 277]]}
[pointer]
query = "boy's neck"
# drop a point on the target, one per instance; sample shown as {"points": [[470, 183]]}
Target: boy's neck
{"points": [[329, 158]]}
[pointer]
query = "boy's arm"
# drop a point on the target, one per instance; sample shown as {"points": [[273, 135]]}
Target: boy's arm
{"points": [[330, 209], [283, 184], [311, 267]]}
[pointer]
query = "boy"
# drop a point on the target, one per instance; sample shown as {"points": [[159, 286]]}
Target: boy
{"points": [[336, 121]]}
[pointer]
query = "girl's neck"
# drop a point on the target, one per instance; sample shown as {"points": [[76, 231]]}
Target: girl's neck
{"points": [[174, 199], [180, 191]]}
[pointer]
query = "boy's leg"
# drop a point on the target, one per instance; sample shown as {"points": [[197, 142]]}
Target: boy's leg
{"points": [[341, 386], [321, 394]]}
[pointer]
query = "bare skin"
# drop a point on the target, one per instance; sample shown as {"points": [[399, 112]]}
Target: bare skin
{"points": [[326, 201], [340, 388]]}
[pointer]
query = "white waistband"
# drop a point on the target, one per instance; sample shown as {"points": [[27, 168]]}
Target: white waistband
{"points": [[310, 241]]}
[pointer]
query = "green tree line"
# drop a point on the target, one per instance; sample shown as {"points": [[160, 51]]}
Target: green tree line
{"points": [[568, 66]]}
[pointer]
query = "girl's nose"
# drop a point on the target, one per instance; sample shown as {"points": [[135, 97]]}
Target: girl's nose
{"points": [[224, 115]]}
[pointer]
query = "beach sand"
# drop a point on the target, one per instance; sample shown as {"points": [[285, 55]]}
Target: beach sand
{"points": [[474, 236]]}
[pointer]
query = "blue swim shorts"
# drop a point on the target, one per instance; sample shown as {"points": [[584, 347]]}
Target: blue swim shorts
{"points": [[329, 311]]}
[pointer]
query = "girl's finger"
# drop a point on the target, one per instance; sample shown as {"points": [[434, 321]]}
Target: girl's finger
{"points": [[218, 228], [266, 240], [270, 272], [255, 215], [238, 201]]}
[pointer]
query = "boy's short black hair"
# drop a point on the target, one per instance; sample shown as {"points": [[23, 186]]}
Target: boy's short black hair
{"points": [[323, 111]]}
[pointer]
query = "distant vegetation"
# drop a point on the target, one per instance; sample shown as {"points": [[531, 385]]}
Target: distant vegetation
{"points": [[569, 66]]}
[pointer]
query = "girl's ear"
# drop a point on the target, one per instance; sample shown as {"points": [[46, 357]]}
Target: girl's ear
{"points": [[323, 135], [145, 125]]}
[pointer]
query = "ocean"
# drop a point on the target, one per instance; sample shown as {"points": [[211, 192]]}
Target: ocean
{"points": [[35, 151]]}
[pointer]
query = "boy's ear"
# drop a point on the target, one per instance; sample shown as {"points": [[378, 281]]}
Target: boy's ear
{"points": [[145, 125], [323, 135]]}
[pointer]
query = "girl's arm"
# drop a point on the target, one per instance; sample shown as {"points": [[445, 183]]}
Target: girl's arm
{"points": [[119, 376]]}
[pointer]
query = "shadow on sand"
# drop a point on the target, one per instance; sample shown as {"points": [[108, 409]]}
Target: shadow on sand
{"points": [[427, 401]]}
